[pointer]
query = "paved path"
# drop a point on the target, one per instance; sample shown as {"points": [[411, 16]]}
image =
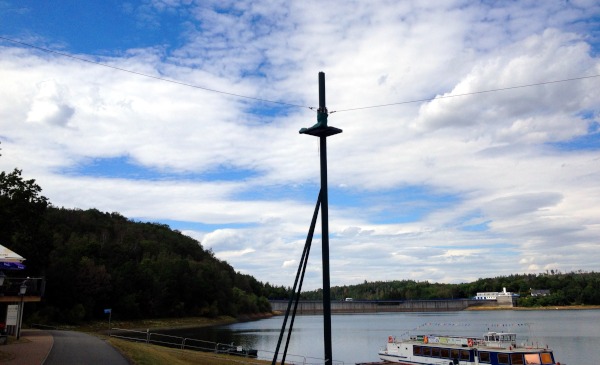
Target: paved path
{"points": [[32, 350], [76, 348], [61, 348]]}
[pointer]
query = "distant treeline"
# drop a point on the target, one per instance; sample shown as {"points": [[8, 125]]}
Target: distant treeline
{"points": [[575, 288], [93, 260]]}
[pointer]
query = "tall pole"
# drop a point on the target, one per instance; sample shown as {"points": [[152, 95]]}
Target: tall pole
{"points": [[325, 230], [323, 131]]}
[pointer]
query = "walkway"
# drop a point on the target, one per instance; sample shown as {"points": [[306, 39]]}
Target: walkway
{"points": [[34, 347], [61, 348]]}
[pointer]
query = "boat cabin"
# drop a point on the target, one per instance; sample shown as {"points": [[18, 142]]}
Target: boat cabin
{"points": [[501, 340]]}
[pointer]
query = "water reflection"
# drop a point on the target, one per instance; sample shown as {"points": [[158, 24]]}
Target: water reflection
{"points": [[573, 334]]}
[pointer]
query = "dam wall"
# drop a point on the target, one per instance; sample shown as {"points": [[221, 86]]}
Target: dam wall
{"points": [[377, 306]]}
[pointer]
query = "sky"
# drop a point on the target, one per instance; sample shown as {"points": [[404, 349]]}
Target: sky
{"points": [[187, 113]]}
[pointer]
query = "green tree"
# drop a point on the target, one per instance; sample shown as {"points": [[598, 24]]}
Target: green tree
{"points": [[22, 209]]}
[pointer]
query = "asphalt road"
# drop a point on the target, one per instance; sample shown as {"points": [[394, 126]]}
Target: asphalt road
{"points": [[76, 348]]}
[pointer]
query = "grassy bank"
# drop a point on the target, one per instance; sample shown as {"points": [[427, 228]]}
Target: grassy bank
{"points": [[155, 323], [145, 354], [148, 354], [162, 323]]}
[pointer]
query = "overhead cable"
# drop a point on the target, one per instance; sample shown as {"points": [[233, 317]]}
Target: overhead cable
{"points": [[152, 76], [291, 104], [465, 94]]}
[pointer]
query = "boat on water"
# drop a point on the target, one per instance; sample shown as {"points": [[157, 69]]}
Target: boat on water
{"points": [[492, 349]]}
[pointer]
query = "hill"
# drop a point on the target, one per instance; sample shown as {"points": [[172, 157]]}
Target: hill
{"points": [[94, 260]]}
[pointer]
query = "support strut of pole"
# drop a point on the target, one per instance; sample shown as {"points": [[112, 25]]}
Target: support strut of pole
{"points": [[296, 292], [322, 130]]}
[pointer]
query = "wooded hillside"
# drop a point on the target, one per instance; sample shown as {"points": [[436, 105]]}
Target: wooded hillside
{"points": [[94, 260], [573, 288]]}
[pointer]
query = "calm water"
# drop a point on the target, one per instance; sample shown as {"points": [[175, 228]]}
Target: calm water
{"points": [[573, 334]]}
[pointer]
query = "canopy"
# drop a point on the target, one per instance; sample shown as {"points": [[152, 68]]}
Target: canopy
{"points": [[11, 266], [7, 255]]}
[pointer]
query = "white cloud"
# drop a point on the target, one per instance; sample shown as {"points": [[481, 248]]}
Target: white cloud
{"points": [[427, 191]]}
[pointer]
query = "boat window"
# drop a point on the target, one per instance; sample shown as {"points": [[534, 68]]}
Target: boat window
{"points": [[509, 337], [464, 355], [516, 359], [484, 357], [503, 359], [426, 351], [547, 358], [445, 353], [435, 352], [454, 353], [532, 359], [416, 350]]}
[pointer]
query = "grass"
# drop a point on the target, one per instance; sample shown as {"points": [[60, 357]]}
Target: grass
{"points": [[146, 354], [156, 323], [140, 353]]}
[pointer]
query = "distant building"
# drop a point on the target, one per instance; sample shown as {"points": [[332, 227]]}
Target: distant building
{"points": [[539, 292], [493, 295], [503, 298]]}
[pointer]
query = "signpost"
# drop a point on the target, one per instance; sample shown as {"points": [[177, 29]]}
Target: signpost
{"points": [[109, 312]]}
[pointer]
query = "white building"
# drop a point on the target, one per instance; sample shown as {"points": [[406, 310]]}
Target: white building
{"points": [[494, 295]]}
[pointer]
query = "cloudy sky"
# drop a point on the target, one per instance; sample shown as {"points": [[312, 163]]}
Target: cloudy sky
{"points": [[188, 113]]}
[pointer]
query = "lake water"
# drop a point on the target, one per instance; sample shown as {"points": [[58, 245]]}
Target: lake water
{"points": [[574, 335]]}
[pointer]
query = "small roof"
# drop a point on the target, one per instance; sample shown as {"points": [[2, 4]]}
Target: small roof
{"points": [[7, 255]]}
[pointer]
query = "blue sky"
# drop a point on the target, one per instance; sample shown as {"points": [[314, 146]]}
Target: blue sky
{"points": [[447, 190]]}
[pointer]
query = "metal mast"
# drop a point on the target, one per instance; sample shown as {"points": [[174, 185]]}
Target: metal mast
{"points": [[323, 131]]}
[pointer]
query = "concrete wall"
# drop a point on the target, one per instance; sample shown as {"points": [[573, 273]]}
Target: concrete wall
{"points": [[506, 301], [316, 307]]}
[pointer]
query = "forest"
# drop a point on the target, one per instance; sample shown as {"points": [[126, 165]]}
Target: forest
{"points": [[574, 288], [93, 260]]}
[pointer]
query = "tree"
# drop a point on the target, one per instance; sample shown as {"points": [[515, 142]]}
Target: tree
{"points": [[22, 209]]}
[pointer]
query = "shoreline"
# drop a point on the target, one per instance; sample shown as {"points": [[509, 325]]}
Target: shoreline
{"points": [[199, 322], [160, 324], [564, 307]]}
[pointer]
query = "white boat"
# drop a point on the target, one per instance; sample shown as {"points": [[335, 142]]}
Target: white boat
{"points": [[493, 349]]}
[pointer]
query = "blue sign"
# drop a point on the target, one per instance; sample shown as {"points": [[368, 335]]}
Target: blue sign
{"points": [[107, 311]]}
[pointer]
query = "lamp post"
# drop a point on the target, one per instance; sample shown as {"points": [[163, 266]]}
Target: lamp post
{"points": [[22, 291]]}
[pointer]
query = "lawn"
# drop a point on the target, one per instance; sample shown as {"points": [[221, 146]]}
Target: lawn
{"points": [[145, 354]]}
